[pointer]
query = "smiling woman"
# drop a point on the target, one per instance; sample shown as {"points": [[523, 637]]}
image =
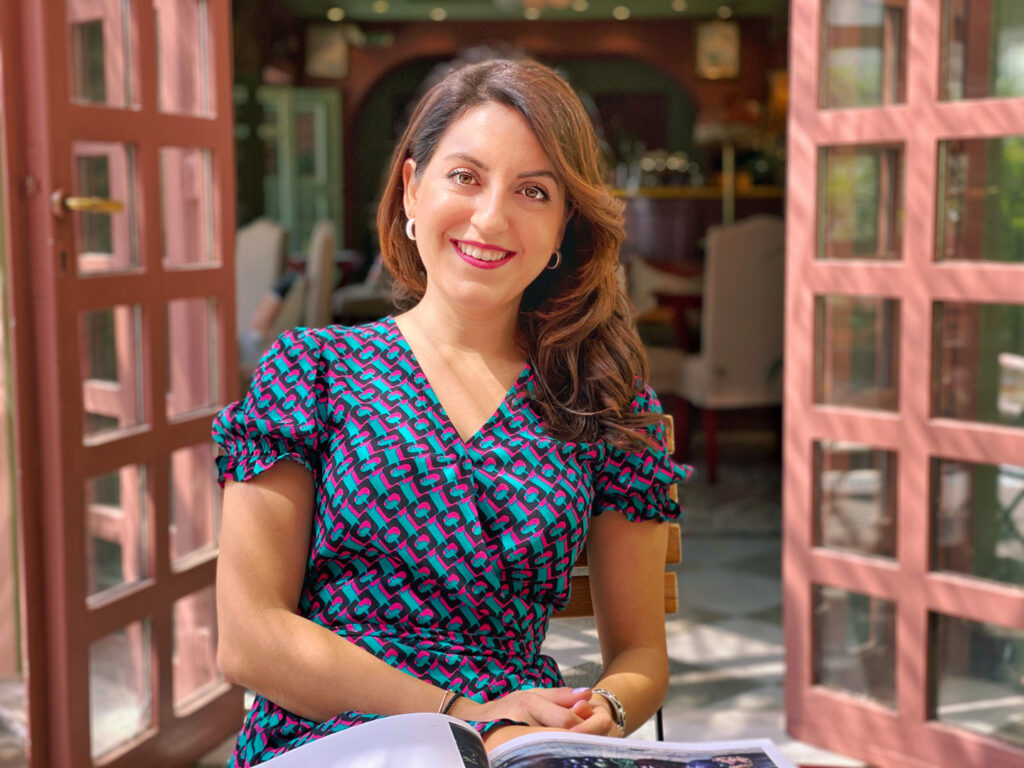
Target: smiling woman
{"points": [[416, 490], [572, 322]]}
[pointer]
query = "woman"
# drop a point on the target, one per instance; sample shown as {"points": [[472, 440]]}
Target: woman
{"points": [[417, 489]]}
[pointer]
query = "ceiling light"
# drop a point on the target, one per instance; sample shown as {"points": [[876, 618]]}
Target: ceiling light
{"points": [[438, 14], [335, 13], [380, 6], [531, 13], [620, 12], [580, 5], [724, 12], [679, 5]]}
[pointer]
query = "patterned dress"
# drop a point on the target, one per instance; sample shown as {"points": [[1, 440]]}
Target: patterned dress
{"points": [[443, 557]]}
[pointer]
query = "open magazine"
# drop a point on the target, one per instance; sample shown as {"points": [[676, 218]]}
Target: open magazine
{"points": [[439, 741]]}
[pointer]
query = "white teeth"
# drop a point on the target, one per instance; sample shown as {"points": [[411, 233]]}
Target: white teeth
{"points": [[483, 254]]}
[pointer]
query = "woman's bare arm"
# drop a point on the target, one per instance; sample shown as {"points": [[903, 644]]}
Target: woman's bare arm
{"points": [[627, 566], [307, 669]]}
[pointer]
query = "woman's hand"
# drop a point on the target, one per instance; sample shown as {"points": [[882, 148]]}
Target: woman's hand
{"points": [[560, 708], [597, 717], [596, 720]]}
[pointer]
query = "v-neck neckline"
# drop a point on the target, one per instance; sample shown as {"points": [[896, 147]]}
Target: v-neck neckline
{"points": [[432, 393]]}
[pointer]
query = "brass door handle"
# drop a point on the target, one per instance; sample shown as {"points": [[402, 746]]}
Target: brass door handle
{"points": [[62, 203]]}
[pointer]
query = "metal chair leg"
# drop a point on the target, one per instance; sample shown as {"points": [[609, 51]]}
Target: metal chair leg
{"points": [[659, 727]]}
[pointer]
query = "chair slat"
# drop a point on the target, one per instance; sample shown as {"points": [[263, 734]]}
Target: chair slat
{"points": [[580, 603]]}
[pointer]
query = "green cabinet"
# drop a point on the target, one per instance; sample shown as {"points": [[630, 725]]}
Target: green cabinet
{"points": [[298, 139]]}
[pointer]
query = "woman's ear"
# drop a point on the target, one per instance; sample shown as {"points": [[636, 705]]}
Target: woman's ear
{"points": [[410, 186]]}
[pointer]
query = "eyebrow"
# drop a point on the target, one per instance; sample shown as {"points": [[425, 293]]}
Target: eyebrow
{"points": [[483, 167]]}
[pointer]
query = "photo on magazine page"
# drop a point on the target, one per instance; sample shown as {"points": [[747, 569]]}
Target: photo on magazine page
{"points": [[559, 753]]}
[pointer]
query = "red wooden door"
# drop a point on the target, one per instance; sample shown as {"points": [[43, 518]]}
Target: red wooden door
{"points": [[904, 455], [120, 161]]}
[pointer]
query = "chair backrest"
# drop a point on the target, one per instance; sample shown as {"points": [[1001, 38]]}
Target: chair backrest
{"points": [[580, 603], [260, 251], [293, 307], [320, 274], [646, 280], [741, 326]]}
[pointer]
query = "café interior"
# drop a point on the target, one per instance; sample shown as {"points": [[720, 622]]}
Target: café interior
{"points": [[690, 100]]}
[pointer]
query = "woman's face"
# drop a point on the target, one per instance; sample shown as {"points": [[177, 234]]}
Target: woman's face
{"points": [[489, 208]]}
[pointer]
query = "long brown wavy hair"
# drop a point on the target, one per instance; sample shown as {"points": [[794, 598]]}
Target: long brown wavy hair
{"points": [[575, 323]]}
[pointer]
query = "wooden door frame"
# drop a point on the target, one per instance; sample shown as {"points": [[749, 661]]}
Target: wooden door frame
{"points": [[56, 622], [904, 736], [20, 192]]}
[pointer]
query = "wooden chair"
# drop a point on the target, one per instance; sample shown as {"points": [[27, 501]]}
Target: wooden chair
{"points": [[580, 603]]}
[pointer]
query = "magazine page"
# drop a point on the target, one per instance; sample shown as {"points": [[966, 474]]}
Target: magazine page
{"points": [[574, 750], [403, 741]]}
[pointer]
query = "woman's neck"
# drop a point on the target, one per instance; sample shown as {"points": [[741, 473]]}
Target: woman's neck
{"points": [[454, 332]]}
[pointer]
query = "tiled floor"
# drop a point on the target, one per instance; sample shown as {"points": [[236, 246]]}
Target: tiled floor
{"points": [[725, 643]]}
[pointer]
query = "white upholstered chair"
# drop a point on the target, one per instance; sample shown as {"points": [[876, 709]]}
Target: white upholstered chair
{"points": [[320, 275], [260, 250], [308, 299], [740, 361]]}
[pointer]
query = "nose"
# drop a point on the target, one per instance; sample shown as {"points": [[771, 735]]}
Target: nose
{"points": [[489, 214]]}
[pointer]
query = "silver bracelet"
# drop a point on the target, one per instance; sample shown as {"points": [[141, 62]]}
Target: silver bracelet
{"points": [[444, 698], [618, 711]]}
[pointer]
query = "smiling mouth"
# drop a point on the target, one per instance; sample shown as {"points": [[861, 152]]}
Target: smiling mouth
{"points": [[477, 252]]}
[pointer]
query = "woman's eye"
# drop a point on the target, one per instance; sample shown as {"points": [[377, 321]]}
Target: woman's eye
{"points": [[461, 177], [535, 193]]}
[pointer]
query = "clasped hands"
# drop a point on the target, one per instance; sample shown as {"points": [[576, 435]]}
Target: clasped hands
{"points": [[564, 709]]}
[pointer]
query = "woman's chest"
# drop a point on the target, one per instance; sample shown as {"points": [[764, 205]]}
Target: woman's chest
{"points": [[397, 479]]}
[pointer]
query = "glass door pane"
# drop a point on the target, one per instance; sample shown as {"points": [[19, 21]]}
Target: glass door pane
{"points": [[102, 52], [184, 78]]}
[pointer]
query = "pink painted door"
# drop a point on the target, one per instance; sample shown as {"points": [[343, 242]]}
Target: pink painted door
{"points": [[123, 299], [904, 413]]}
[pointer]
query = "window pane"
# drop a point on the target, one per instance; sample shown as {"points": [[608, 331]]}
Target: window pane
{"points": [[976, 682], [183, 57], [861, 203], [855, 644], [110, 358], [195, 501], [187, 207], [981, 203], [864, 43], [120, 695], [115, 529], [195, 647], [982, 49], [978, 519], [105, 242], [857, 351], [855, 498], [979, 362], [191, 355], [102, 52]]}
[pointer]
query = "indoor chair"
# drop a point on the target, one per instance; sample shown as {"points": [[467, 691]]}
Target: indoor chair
{"points": [[580, 604], [740, 360]]}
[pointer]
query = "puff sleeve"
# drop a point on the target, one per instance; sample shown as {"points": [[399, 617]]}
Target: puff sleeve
{"points": [[637, 483], [281, 415]]}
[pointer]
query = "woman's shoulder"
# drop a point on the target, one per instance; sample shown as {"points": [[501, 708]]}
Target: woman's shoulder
{"points": [[337, 342]]}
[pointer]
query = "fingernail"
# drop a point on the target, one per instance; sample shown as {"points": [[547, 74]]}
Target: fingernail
{"points": [[580, 690]]}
